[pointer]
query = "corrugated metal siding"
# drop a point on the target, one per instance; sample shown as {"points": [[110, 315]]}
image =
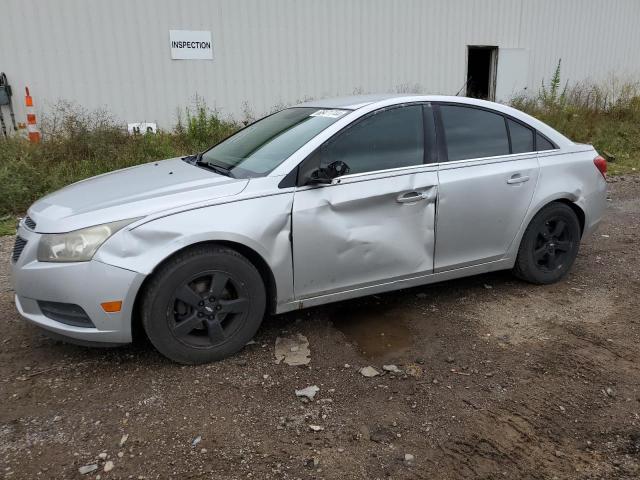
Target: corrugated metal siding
{"points": [[115, 54]]}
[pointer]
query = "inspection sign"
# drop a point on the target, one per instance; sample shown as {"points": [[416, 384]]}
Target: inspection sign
{"points": [[190, 45]]}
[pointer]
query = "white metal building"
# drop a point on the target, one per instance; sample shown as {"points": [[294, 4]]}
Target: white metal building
{"points": [[265, 53]]}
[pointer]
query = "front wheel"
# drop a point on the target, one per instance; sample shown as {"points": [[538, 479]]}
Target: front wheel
{"points": [[549, 246], [204, 304]]}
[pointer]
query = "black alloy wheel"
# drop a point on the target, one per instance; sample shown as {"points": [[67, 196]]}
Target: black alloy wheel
{"points": [[203, 304], [554, 244], [207, 310], [549, 245]]}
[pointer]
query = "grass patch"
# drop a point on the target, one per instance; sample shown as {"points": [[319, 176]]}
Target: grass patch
{"points": [[79, 144], [8, 225], [606, 115]]}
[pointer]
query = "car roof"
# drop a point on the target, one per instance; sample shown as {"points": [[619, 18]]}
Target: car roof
{"points": [[352, 102], [356, 102]]}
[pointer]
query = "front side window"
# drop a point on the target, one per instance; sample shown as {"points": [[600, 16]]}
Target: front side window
{"points": [[262, 146], [390, 138], [473, 133]]}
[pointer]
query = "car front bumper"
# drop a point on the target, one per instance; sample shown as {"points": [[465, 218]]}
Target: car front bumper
{"points": [[86, 284]]}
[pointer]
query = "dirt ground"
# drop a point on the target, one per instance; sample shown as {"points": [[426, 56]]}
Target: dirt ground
{"points": [[501, 379]]}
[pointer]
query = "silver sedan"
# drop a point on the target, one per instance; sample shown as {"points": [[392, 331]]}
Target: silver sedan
{"points": [[325, 201]]}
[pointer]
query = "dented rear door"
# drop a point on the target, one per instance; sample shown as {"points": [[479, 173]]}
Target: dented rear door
{"points": [[363, 230]]}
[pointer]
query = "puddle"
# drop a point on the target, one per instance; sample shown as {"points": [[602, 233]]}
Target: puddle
{"points": [[379, 332]]}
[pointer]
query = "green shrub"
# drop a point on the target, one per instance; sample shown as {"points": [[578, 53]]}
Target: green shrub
{"points": [[78, 144], [606, 115]]}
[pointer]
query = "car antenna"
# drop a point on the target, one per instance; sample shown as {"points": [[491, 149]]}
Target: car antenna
{"points": [[463, 85]]}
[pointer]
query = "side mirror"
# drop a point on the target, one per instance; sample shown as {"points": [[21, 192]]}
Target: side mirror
{"points": [[319, 177], [325, 175], [337, 169]]}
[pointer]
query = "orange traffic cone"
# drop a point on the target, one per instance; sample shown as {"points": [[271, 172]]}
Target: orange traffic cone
{"points": [[32, 126]]}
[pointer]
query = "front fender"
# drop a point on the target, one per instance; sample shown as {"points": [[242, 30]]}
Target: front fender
{"points": [[262, 224]]}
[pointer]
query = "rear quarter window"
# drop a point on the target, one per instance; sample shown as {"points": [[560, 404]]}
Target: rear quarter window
{"points": [[543, 144], [521, 137]]}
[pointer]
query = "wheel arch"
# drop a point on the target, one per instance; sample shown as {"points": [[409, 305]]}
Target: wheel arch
{"points": [[253, 256], [577, 209], [566, 199]]}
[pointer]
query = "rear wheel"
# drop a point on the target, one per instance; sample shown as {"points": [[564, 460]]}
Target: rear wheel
{"points": [[203, 305], [549, 245]]}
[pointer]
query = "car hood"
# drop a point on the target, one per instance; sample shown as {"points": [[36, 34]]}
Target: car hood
{"points": [[133, 192]]}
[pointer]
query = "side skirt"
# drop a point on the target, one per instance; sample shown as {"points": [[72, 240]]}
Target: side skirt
{"points": [[503, 264]]}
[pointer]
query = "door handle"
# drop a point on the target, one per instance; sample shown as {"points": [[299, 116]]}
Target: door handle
{"points": [[412, 197], [517, 178]]}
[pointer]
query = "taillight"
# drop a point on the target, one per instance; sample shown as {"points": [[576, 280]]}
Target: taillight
{"points": [[601, 165]]}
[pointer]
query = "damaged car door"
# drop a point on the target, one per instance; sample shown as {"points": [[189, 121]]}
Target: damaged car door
{"points": [[364, 206]]}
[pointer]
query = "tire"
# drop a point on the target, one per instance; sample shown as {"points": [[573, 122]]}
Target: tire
{"points": [[203, 305], [549, 245]]}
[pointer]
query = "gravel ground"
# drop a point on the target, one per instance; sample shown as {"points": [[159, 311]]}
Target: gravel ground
{"points": [[500, 379]]}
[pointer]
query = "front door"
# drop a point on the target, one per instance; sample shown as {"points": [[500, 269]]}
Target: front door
{"points": [[375, 223]]}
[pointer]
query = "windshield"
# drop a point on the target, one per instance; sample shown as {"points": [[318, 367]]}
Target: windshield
{"points": [[259, 148]]}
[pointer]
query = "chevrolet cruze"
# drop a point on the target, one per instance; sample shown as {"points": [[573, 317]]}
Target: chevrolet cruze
{"points": [[325, 201]]}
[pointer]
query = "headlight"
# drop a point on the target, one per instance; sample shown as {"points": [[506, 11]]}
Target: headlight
{"points": [[79, 245]]}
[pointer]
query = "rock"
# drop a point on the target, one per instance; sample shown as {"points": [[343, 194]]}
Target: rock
{"points": [[487, 286], [409, 458], [369, 372], [450, 359], [316, 428], [120, 454], [391, 368], [196, 441], [435, 381], [312, 462], [610, 392], [308, 392], [413, 370], [103, 456], [292, 350], [203, 450], [340, 450], [609, 157], [88, 469], [123, 440], [108, 466], [381, 435]]}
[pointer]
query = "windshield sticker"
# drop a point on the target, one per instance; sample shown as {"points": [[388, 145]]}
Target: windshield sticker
{"points": [[328, 113]]}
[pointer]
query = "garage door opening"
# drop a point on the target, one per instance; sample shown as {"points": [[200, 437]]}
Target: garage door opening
{"points": [[482, 63]]}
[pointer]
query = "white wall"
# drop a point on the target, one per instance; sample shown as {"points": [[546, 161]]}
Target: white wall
{"points": [[115, 53]]}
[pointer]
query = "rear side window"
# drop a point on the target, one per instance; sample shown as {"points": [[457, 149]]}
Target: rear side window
{"points": [[473, 133], [389, 138], [543, 144], [521, 137]]}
